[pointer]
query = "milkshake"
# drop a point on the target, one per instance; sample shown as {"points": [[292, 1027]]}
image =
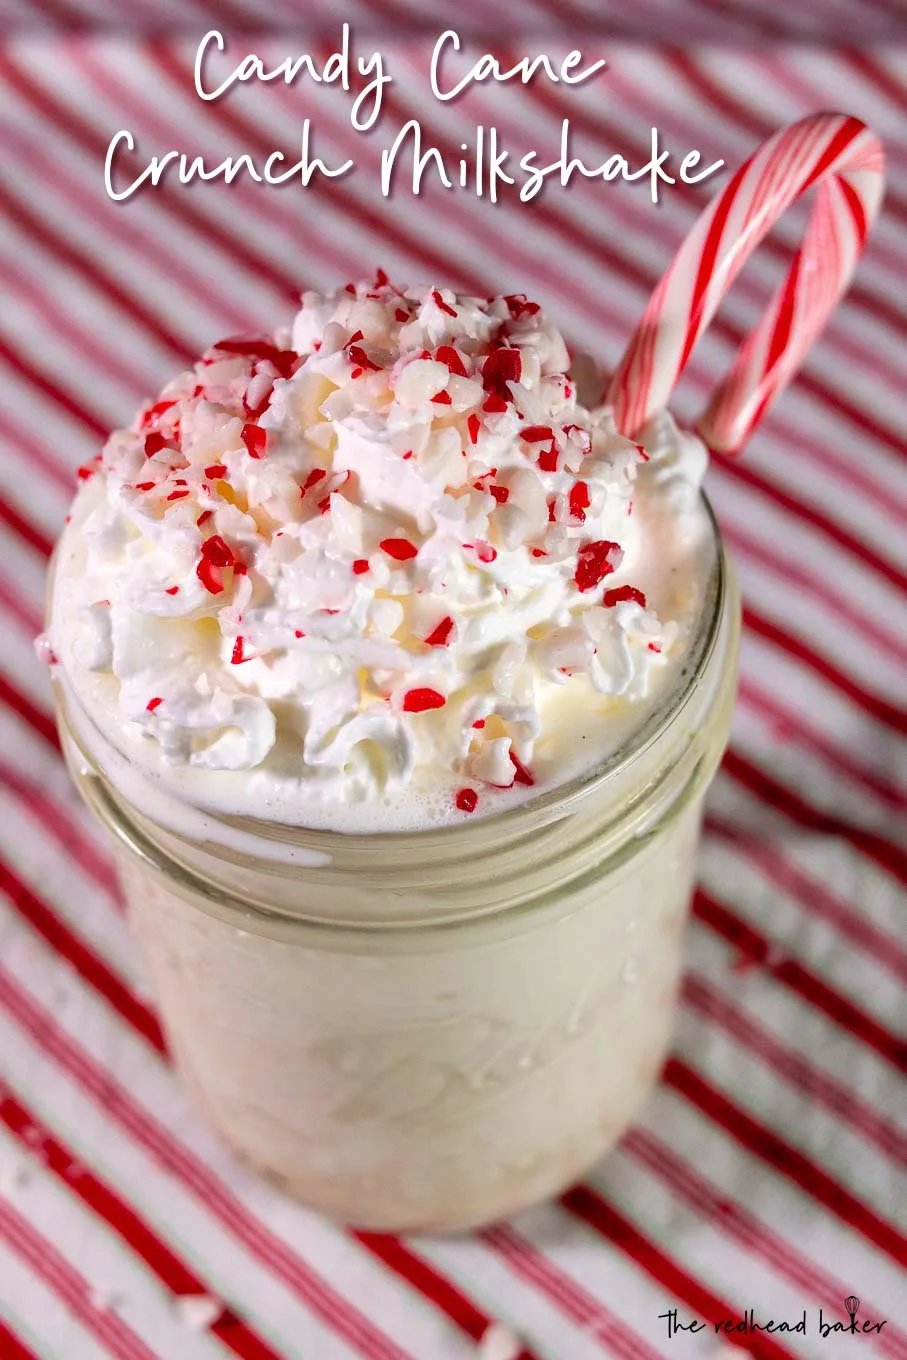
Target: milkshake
{"points": [[399, 675]]}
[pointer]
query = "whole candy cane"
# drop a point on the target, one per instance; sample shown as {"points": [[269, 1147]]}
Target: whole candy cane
{"points": [[845, 160]]}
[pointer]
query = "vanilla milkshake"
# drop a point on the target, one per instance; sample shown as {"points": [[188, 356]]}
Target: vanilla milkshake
{"points": [[400, 675]]}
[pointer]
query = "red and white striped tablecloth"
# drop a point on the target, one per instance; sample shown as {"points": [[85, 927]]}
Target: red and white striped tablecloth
{"points": [[767, 1172]]}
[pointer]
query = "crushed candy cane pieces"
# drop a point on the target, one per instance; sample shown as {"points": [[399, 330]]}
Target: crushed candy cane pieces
{"points": [[621, 593], [255, 440], [594, 562], [440, 635], [400, 549], [421, 700]]}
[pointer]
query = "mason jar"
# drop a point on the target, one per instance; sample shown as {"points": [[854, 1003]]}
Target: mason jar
{"points": [[426, 1031]]}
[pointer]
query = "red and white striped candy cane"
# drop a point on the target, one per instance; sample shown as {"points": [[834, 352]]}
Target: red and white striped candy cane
{"points": [[845, 160]]}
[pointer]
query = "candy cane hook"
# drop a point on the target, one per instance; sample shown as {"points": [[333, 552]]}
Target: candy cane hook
{"points": [[845, 160]]}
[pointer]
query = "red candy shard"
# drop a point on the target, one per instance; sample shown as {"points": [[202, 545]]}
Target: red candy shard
{"points": [[247, 345], [360, 565], [479, 723], [579, 500], [177, 495], [154, 442], [467, 800], [255, 440], [548, 460], [442, 398], [473, 425], [440, 636], [140, 486], [172, 590], [654, 647], [583, 440], [361, 359], [502, 365], [495, 405], [620, 593], [380, 278], [152, 413], [552, 517], [421, 700], [539, 552], [283, 360], [204, 517], [152, 704], [447, 355], [208, 574], [595, 561], [217, 551], [536, 434], [261, 387], [216, 555], [401, 314], [237, 656], [500, 493], [519, 306], [439, 302], [357, 335], [314, 476], [215, 470], [400, 549], [522, 775], [299, 633]]}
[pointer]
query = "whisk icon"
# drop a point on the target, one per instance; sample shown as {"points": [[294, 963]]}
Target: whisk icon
{"points": [[852, 1304]]}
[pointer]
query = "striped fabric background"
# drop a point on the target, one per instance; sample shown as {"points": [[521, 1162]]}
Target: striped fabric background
{"points": [[768, 1170]]}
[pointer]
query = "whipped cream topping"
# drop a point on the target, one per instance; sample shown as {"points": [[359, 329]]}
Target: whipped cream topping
{"points": [[373, 553]]}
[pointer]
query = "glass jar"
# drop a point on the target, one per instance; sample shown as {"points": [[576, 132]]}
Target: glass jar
{"points": [[428, 1031]]}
